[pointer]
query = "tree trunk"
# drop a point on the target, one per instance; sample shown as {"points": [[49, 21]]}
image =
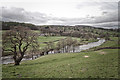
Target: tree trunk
{"points": [[47, 52], [63, 50], [18, 60], [32, 57], [17, 63], [73, 48]]}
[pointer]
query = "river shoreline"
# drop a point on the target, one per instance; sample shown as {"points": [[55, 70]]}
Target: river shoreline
{"points": [[9, 59]]}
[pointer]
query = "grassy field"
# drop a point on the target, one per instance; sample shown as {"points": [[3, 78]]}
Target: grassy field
{"points": [[43, 39], [93, 64], [55, 39]]}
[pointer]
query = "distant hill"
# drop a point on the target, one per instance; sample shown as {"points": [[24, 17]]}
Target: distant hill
{"points": [[6, 25]]}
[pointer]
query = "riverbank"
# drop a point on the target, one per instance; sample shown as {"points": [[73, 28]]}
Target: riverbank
{"points": [[9, 59], [112, 43]]}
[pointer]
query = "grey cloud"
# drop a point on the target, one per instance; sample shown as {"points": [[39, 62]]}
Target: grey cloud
{"points": [[107, 25], [109, 16], [86, 4], [109, 11], [20, 15], [103, 5], [109, 6]]}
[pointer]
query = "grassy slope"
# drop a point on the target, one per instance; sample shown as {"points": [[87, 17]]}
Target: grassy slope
{"points": [[101, 63], [110, 43]]}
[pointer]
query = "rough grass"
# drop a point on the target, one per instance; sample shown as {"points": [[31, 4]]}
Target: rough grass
{"points": [[67, 65]]}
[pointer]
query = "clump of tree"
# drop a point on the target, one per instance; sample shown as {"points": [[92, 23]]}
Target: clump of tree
{"points": [[74, 44], [34, 50], [72, 31], [66, 45], [18, 40]]}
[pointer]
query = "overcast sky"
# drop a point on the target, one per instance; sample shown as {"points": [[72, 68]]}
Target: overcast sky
{"points": [[61, 12]]}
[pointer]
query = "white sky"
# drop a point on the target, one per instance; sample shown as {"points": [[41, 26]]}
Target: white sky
{"points": [[57, 8], [53, 8], [69, 9]]}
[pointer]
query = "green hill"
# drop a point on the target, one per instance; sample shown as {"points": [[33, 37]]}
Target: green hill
{"points": [[103, 64], [93, 64]]}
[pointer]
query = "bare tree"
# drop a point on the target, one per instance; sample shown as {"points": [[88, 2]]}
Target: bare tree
{"points": [[34, 49], [61, 46], [68, 43], [74, 44], [18, 40], [58, 47]]}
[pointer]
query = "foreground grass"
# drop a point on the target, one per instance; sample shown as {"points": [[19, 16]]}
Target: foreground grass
{"points": [[97, 64]]}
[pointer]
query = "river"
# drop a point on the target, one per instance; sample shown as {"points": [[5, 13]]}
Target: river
{"points": [[9, 59]]}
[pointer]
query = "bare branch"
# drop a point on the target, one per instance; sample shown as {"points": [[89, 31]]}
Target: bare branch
{"points": [[8, 50]]}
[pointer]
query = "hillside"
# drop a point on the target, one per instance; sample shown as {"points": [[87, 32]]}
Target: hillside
{"points": [[7, 25], [93, 64]]}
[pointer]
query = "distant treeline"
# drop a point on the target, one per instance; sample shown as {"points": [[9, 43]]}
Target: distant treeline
{"points": [[6, 26]]}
